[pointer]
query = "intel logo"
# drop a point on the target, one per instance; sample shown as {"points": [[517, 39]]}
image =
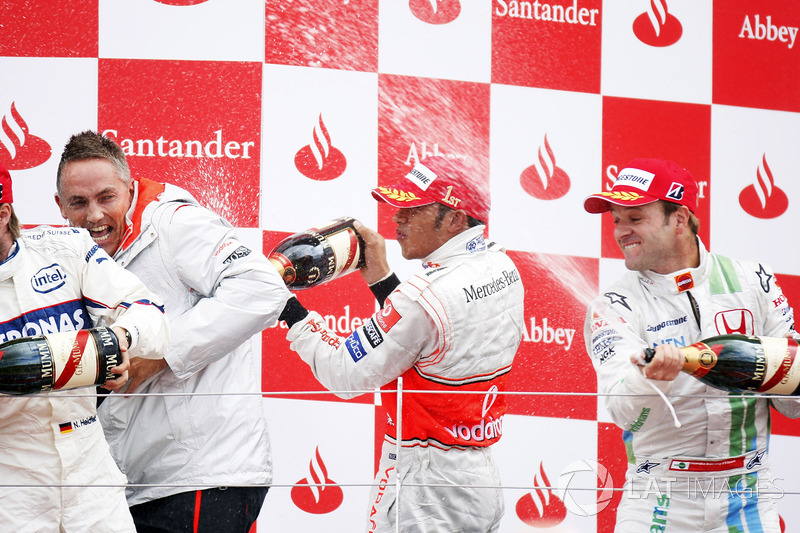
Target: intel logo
{"points": [[48, 279]]}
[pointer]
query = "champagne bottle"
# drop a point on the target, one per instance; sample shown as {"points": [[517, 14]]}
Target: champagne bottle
{"points": [[319, 255], [58, 361], [744, 363]]}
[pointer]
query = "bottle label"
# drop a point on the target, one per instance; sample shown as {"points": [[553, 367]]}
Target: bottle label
{"points": [[346, 251], [782, 375], [75, 360]]}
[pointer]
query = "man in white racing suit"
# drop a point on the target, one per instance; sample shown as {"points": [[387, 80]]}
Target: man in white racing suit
{"points": [[56, 472], [197, 441], [452, 328], [712, 472]]}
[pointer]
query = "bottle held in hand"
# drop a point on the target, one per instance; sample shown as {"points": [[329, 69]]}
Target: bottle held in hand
{"points": [[319, 255], [58, 361], [744, 363]]}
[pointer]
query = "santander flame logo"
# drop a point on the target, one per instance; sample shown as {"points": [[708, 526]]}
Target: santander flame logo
{"points": [[545, 509], [545, 181], [763, 199], [320, 160], [21, 150], [317, 494], [435, 11], [656, 27]]}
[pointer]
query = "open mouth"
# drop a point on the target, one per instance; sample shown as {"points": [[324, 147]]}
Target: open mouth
{"points": [[100, 233]]}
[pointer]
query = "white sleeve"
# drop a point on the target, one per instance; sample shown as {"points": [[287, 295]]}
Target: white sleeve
{"points": [[240, 291], [117, 297], [383, 348]]}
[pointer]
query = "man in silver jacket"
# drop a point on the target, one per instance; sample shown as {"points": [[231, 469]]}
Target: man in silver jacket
{"points": [[201, 451]]}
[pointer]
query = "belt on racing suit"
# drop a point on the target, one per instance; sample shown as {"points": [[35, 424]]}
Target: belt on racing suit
{"points": [[750, 462]]}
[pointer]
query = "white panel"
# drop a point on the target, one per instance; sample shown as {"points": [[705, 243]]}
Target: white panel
{"points": [[741, 138], [680, 72], [521, 118], [55, 98], [215, 30], [459, 50], [294, 100]]}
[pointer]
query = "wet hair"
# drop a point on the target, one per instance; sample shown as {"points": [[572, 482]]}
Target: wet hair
{"points": [[671, 207], [91, 145], [14, 228], [443, 210]]}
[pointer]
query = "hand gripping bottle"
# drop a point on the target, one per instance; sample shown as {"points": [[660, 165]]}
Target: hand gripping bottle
{"points": [[319, 255], [58, 361], [744, 363]]}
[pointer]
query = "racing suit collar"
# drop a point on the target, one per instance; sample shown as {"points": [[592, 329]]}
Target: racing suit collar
{"points": [[144, 192], [466, 242], [11, 263], [680, 280]]}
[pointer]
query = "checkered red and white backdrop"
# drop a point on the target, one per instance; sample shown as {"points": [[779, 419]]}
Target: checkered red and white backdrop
{"points": [[282, 115]]}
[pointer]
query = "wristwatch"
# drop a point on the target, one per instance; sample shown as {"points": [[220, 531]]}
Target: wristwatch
{"points": [[128, 338]]}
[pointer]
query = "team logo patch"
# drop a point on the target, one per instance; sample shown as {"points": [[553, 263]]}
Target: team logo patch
{"points": [[387, 317], [675, 191], [48, 279], [684, 281], [354, 347], [238, 253], [616, 298], [373, 334]]}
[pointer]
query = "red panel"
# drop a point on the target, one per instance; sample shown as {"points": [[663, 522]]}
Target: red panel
{"points": [[611, 454], [666, 130], [343, 302], [196, 125], [755, 54], [418, 117], [44, 28], [554, 45], [308, 33], [552, 356]]}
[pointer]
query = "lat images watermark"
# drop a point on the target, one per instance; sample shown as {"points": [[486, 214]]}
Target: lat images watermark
{"points": [[586, 487]]}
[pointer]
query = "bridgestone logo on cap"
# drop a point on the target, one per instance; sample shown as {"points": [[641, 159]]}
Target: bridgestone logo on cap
{"points": [[422, 176], [675, 191], [634, 177]]}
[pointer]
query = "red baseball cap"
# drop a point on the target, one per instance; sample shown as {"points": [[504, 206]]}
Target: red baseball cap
{"points": [[5, 186], [644, 181], [438, 179]]}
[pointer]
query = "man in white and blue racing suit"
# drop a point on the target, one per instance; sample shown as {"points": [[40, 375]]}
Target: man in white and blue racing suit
{"points": [[56, 472], [712, 472]]}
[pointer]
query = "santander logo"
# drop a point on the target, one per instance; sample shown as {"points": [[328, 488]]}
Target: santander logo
{"points": [[545, 180], [316, 494], [320, 160], [435, 11], [18, 148], [656, 27], [541, 508], [763, 199]]}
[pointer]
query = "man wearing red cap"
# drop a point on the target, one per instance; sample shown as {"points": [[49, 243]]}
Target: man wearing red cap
{"points": [[52, 450], [451, 329], [698, 458]]}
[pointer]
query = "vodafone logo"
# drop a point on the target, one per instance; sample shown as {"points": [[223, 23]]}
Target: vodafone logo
{"points": [[656, 27], [18, 148], [545, 180], [320, 160], [316, 493], [763, 199], [435, 11]]}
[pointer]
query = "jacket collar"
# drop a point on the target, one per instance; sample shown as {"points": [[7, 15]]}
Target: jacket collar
{"points": [[680, 280], [467, 242], [145, 191]]}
